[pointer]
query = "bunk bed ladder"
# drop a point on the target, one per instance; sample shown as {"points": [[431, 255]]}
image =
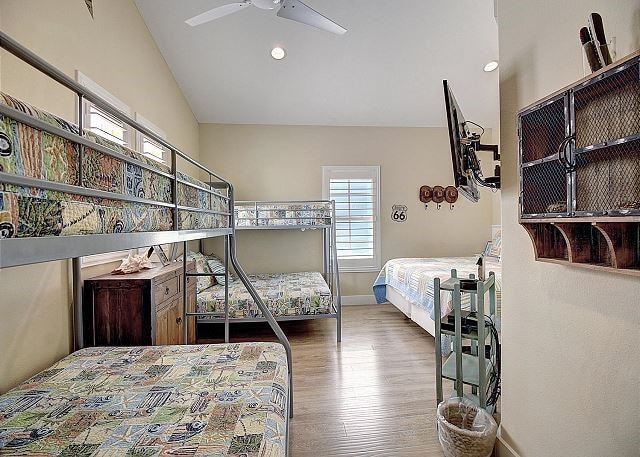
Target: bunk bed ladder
{"points": [[226, 289]]}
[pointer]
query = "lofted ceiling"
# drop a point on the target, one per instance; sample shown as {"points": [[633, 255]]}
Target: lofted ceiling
{"points": [[386, 71]]}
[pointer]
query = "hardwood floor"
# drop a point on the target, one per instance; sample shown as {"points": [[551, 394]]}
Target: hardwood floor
{"points": [[373, 395]]}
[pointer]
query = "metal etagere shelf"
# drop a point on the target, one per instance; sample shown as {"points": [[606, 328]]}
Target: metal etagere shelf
{"points": [[475, 368]]}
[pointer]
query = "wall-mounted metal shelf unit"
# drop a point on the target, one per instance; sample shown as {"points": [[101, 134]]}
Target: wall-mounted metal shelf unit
{"points": [[579, 160]]}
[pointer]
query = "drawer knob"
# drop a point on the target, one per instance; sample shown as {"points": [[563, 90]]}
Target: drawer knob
{"points": [[166, 291], [178, 320]]}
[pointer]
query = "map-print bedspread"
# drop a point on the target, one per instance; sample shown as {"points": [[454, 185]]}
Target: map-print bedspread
{"points": [[202, 400], [285, 294]]}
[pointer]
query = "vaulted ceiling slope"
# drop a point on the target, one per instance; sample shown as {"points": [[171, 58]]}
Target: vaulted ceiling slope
{"points": [[386, 71]]}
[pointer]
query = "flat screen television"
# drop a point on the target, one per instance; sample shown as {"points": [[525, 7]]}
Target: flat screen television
{"points": [[464, 146]]}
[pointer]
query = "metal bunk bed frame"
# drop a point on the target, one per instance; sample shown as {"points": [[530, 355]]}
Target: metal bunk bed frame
{"points": [[25, 251], [331, 272]]}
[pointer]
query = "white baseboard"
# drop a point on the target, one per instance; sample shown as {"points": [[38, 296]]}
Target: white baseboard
{"points": [[502, 448], [349, 300]]}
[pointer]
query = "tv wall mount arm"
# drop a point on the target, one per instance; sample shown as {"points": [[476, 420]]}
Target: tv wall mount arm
{"points": [[472, 145]]}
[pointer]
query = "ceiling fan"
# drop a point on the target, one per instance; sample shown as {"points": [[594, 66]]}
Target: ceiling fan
{"points": [[289, 9]]}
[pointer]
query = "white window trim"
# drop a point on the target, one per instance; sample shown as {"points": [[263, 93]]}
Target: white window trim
{"points": [[102, 92], [155, 129], [130, 134], [356, 171]]}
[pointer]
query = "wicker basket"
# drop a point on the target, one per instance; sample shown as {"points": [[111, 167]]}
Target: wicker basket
{"points": [[465, 430]]}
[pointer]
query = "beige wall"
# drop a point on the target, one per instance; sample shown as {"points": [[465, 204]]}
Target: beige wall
{"points": [[117, 51], [284, 162], [571, 382]]}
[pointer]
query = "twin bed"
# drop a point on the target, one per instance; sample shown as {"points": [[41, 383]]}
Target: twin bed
{"points": [[65, 193], [408, 283]]}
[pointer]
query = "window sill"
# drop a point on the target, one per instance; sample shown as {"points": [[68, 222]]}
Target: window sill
{"points": [[102, 259], [372, 269]]}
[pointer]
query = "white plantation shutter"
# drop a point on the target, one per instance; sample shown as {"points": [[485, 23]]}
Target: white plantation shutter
{"points": [[355, 215], [356, 191]]}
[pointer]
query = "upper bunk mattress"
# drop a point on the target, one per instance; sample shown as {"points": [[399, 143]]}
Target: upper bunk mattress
{"points": [[284, 294], [205, 400], [282, 214], [29, 152], [413, 279]]}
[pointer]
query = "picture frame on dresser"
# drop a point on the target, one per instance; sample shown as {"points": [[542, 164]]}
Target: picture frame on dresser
{"points": [[162, 256]]}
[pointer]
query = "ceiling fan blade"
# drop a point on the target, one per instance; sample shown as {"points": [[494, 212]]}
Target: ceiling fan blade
{"points": [[299, 12], [216, 13]]}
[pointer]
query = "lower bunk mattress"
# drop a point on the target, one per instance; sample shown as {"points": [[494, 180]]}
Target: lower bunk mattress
{"points": [[284, 294], [202, 400]]}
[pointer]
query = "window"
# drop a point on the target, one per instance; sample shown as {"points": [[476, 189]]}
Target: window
{"points": [[105, 125], [356, 191], [107, 257], [148, 146], [99, 121]]}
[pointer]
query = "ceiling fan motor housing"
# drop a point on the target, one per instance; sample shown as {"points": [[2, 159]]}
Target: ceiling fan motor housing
{"points": [[265, 4]]}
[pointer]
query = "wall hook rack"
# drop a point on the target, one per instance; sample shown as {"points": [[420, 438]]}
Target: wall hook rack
{"points": [[438, 195]]}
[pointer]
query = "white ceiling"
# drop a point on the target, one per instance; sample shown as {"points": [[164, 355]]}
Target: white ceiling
{"points": [[386, 71]]}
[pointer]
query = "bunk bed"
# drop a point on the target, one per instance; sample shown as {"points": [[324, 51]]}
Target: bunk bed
{"points": [[66, 193], [289, 296]]}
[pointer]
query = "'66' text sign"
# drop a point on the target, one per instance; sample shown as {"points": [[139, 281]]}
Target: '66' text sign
{"points": [[399, 213]]}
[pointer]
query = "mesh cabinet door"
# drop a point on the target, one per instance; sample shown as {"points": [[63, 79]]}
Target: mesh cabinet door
{"points": [[606, 120], [543, 130], [544, 190], [607, 108], [607, 180], [544, 182]]}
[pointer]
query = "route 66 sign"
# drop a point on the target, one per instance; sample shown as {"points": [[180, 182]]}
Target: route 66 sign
{"points": [[399, 213]]}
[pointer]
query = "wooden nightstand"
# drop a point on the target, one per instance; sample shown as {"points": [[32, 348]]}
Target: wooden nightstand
{"points": [[139, 309]]}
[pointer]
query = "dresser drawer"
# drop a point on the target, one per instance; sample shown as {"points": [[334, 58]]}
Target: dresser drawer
{"points": [[191, 280], [167, 289]]}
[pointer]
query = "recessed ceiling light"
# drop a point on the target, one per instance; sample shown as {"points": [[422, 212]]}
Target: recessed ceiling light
{"points": [[278, 53], [491, 66]]}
